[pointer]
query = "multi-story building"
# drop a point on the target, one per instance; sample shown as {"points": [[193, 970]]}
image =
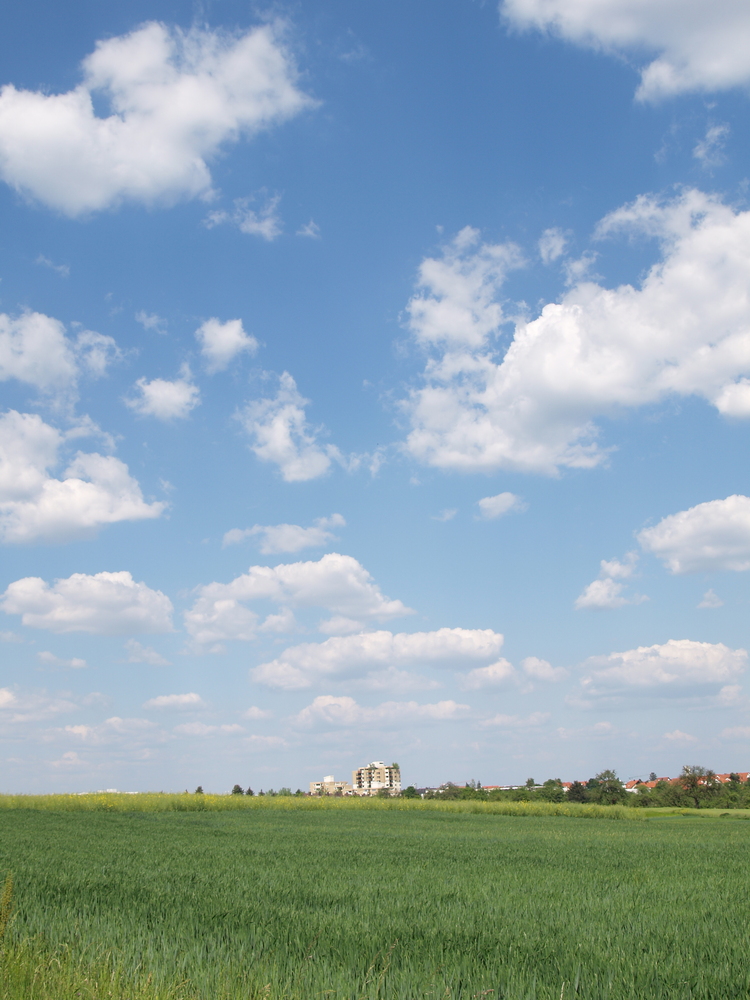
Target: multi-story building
{"points": [[328, 786], [375, 776]]}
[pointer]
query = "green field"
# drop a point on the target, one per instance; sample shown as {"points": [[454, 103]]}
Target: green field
{"points": [[281, 900]]}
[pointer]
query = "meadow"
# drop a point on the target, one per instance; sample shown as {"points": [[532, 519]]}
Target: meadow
{"points": [[176, 899]]}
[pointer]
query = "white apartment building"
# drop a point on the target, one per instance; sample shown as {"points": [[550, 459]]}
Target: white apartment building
{"points": [[328, 786], [373, 777]]}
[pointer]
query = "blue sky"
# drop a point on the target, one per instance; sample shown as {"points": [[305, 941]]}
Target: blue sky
{"points": [[375, 385]]}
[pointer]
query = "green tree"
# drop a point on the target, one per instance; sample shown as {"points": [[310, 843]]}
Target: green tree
{"points": [[552, 790], [249, 791], [410, 793], [199, 790], [576, 792], [238, 790], [609, 788]]}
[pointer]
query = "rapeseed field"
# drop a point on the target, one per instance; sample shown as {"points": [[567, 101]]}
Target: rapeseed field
{"points": [[170, 898]]}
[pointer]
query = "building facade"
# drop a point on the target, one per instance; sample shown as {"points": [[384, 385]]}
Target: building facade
{"points": [[375, 777], [328, 786]]}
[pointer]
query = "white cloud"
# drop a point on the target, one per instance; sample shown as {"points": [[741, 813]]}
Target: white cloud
{"points": [[496, 673], [310, 229], [95, 489], [502, 503], [190, 700], [597, 352], [533, 721], [740, 733], [356, 655], [264, 223], [542, 670], [699, 46], [75, 663], [606, 592], [201, 729], [327, 710], [35, 349], [166, 400], [175, 97], [336, 582], [62, 269], [710, 600], [708, 537], [677, 736], [102, 604], [619, 570], [18, 708], [675, 665], [446, 515], [282, 435], [69, 759], [710, 150], [150, 321], [551, 245], [138, 653], [254, 713], [602, 595], [288, 537], [222, 342], [130, 732]]}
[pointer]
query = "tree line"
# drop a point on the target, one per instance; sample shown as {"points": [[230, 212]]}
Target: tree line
{"points": [[697, 787]]}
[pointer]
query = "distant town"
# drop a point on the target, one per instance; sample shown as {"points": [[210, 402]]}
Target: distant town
{"points": [[379, 778]]}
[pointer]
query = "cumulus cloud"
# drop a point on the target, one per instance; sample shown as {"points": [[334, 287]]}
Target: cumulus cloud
{"points": [[102, 604], [190, 700], [287, 537], [335, 582], [254, 713], [281, 434], [542, 670], [36, 350], [698, 46], [502, 503], [597, 352], [222, 342], [264, 222], [165, 400], [606, 593], [94, 489], [328, 710], [496, 673], [357, 655], [708, 537], [175, 98], [676, 665]]}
